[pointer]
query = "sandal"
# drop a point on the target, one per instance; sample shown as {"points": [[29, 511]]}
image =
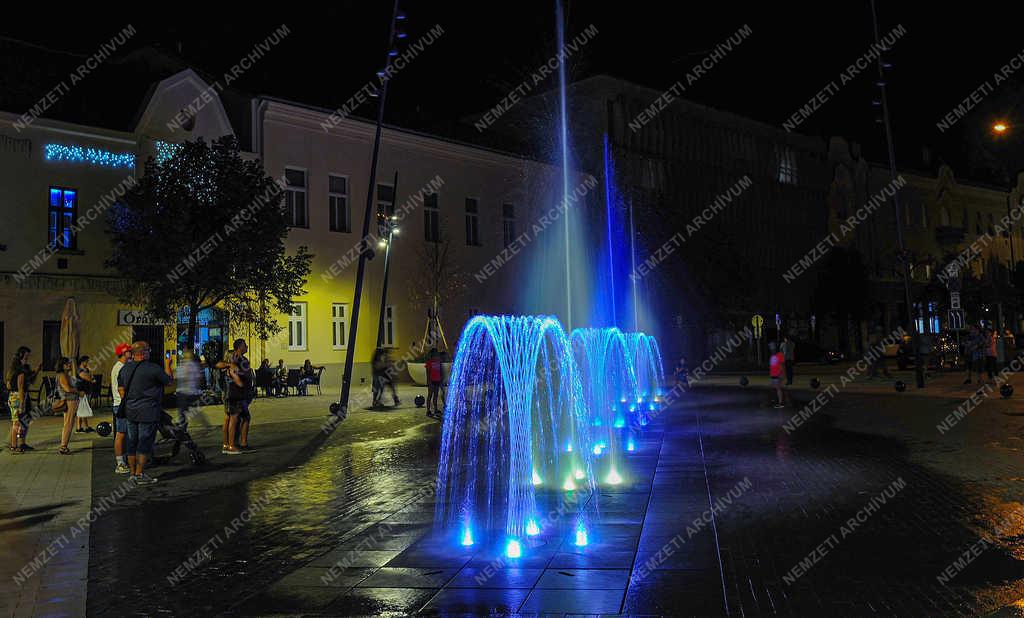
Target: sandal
{"points": [[64, 451]]}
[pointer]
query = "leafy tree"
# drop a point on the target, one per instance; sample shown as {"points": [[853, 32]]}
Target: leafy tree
{"points": [[206, 228]]}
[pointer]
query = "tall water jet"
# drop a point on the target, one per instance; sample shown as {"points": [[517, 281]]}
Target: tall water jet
{"points": [[564, 131], [646, 357], [515, 432]]}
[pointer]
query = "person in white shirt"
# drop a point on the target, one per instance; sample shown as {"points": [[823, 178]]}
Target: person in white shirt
{"points": [[124, 354]]}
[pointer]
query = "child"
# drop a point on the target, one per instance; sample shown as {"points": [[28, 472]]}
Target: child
{"points": [[776, 365], [433, 382], [682, 374], [85, 384]]}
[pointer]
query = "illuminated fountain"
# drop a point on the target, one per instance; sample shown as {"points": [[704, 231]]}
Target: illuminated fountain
{"points": [[516, 435]]}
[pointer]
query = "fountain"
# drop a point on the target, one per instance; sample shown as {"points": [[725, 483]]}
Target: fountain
{"points": [[516, 433]]}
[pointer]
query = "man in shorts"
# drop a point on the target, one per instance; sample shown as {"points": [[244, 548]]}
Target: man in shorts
{"points": [[238, 396], [124, 354], [141, 384]]}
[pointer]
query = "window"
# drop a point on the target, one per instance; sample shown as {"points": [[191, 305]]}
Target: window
{"points": [[337, 201], [389, 327], [339, 325], [51, 345], [472, 222], [63, 215], [295, 197], [508, 224], [385, 208], [944, 217], [787, 165], [431, 219], [297, 327]]}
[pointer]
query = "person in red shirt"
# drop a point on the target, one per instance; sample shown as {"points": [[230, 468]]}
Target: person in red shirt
{"points": [[433, 382], [776, 367]]}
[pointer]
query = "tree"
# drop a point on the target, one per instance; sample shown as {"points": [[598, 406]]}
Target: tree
{"points": [[206, 228], [440, 280]]}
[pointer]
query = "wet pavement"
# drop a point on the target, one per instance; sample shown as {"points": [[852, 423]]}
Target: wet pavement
{"points": [[864, 509]]}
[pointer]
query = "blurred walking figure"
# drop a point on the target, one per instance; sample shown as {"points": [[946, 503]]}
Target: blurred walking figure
{"points": [[776, 365], [67, 391], [991, 344], [789, 353], [187, 381], [682, 374], [975, 353], [877, 349], [433, 382], [84, 384], [18, 378], [124, 354], [382, 377]]}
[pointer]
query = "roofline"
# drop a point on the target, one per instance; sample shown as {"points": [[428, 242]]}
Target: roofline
{"points": [[71, 128]]}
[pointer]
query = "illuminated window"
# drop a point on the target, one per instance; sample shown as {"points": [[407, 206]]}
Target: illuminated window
{"points": [[339, 325], [472, 222], [297, 327], [390, 336], [787, 165], [385, 208], [337, 198], [508, 224], [63, 212], [295, 197], [431, 219]]}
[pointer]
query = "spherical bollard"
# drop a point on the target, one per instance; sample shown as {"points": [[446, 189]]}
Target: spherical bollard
{"points": [[103, 429], [744, 381], [1006, 390], [335, 407], [420, 401], [815, 383], [900, 386]]}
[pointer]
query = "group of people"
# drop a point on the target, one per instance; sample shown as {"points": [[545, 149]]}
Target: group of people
{"points": [[277, 377], [980, 353], [74, 384]]}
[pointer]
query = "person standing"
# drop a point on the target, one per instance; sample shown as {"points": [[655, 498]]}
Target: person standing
{"points": [[991, 353], [141, 384], [776, 364], [85, 384], [789, 353], [239, 396], [433, 382], [67, 391], [19, 377], [124, 354], [186, 381]]}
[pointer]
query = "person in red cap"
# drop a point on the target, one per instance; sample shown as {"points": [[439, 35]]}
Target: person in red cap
{"points": [[124, 354]]}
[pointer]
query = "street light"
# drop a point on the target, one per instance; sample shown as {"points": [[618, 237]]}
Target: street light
{"points": [[1000, 128]]}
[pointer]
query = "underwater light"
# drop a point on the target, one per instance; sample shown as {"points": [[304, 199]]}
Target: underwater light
{"points": [[597, 422], [568, 448], [569, 485], [532, 528], [536, 478], [581, 536], [513, 550], [623, 400], [597, 449], [613, 478], [467, 537], [630, 446], [620, 423], [579, 474]]}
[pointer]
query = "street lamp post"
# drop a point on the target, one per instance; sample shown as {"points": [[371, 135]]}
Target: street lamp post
{"points": [[901, 243], [390, 229], [366, 251]]}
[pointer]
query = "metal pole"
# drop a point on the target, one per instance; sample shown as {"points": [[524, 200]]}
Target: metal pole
{"points": [[914, 337], [387, 266], [346, 376]]}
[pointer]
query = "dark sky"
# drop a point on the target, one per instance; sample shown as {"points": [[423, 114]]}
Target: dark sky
{"points": [[794, 50]]}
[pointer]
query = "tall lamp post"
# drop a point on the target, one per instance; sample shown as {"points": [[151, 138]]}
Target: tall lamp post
{"points": [[387, 226], [919, 370], [340, 409]]}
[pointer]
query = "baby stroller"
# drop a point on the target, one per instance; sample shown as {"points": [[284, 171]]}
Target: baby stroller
{"points": [[174, 435]]}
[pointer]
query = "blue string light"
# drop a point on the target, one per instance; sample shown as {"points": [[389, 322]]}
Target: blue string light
{"points": [[165, 150], [92, 156]]}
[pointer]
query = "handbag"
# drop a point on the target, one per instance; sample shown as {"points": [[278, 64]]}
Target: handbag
{"points": [[122, 407], [84, 409]]}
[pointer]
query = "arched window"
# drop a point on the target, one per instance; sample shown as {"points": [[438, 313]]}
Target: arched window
{"points": [[944, 217]]}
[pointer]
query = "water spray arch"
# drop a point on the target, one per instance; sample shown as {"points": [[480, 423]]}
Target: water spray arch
{"points": [[516, 428]]}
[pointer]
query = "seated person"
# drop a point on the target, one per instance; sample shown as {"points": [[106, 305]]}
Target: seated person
{"points": [[307, 375], [280, 378]]}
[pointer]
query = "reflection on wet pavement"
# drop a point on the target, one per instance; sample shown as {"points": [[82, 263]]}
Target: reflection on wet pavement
{"points": [[798, 528]]}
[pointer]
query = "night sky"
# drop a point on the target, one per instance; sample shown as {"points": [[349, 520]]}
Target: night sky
{"points": [[794, 50]]}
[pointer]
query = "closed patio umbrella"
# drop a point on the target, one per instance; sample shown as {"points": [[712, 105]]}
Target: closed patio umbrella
{"points": [[69, 330]]}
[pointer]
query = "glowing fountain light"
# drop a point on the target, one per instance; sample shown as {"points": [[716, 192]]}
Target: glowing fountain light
{"points": [[597, 449], [579, 474], [513, 550], [467, 537], [536, 478], [631, 446], [532, 529], [569, 485], [613, 478], [620, 423], [581, 535]]}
